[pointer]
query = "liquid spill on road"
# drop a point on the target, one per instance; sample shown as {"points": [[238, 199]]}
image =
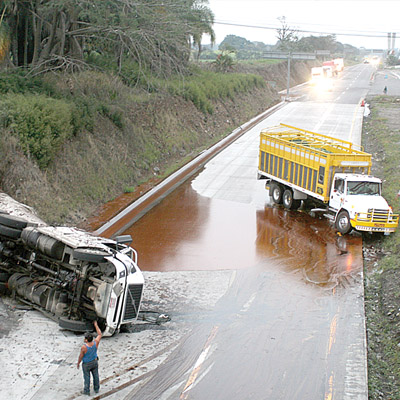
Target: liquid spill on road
{"points": [[191, 232], [112, 208]]}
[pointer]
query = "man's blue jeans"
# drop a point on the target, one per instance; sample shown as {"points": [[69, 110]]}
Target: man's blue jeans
{"points": [[91, 367]]}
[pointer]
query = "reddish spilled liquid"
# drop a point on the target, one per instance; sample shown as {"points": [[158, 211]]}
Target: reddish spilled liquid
{"points": [[187, 231], [112, 208]]}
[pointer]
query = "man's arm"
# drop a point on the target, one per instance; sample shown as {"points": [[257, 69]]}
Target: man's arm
{"points": [[99, 334], [82, 353]]}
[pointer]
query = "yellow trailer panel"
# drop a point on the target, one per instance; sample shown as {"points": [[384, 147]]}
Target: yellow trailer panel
{"points": [[308, 160]]}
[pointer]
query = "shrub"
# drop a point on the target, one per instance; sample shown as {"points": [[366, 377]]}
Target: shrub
{"points": [[204, 86], [18, 82], [42, 124]]}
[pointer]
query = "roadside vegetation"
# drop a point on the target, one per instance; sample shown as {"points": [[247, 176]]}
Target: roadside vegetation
{"points": [[381, 136], [101, 96], [70, 142]]}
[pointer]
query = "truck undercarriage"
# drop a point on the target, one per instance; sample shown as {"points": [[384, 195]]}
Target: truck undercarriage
{"points": [[70, 275]]}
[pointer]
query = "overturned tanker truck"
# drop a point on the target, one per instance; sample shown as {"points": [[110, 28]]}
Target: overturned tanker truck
{"points": [[66, 273]]}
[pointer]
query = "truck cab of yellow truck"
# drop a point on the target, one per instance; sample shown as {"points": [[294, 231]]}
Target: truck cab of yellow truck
{"points": [[330, 173], [357, 203]]}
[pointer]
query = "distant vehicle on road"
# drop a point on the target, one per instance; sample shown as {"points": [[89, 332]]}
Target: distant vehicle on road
{"points": [[322, 77], [300, 165], [68, 274]]}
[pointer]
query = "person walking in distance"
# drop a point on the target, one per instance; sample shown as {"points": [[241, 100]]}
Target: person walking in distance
{"points": [[89, 359]]}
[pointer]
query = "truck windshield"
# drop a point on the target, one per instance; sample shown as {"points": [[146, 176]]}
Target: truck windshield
{"points": [[365, 188]]}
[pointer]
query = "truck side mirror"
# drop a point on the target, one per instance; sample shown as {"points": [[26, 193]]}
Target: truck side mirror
{"points": [[124, 239]]}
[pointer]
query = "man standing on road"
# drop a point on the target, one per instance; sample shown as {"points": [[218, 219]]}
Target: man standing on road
{"points": [[88, 356]]}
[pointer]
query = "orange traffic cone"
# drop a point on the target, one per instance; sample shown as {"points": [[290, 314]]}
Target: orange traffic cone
{"points": [[362, 103]]}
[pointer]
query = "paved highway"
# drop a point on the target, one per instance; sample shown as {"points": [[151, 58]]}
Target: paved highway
{"points": [[291, 325]]}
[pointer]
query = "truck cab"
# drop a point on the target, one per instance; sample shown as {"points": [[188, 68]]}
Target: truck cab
{"points": [[357, 203]]}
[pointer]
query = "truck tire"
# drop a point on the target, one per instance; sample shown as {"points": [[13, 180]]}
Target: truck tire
{"points": [[73, 325], [276, 193], [9, 232], [289, 202], [342, 222], [13, 221], [3, 288], [4, 276], [91, 255]]}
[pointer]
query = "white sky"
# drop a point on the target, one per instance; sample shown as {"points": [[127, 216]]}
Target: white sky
{"points": [[368, 17]]}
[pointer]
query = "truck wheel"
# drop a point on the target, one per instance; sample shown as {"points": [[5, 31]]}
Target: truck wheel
{"points": [[13, 221], [73, 325], [3, 288], [11, 233], [4, 276], [276, 193], [342, 223], [289, 202], [91, 255]]}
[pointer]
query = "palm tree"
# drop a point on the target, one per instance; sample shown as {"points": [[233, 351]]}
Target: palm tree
{"points": [[203, 20]]}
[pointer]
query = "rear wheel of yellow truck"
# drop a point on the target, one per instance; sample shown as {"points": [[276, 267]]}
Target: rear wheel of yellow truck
{"points": [[276, 192], [343, 222], [289, 202]]}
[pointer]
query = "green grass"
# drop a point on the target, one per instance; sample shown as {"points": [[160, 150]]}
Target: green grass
{"points": [[381, 137]]}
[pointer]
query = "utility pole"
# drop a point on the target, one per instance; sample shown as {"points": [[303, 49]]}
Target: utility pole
{"points": [[289, 56]]}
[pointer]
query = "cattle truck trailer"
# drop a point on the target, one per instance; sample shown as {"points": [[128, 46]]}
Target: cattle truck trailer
{"points": [[331, 173]]}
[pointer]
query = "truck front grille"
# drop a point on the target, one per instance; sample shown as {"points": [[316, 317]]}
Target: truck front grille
{"points": [[377, 215], [132, 304]]}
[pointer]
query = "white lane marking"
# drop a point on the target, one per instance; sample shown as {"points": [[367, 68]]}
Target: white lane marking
{"points": [[248, 304]]}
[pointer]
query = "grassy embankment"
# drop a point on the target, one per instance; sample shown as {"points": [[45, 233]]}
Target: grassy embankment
{"points": [[381, 135], [69, 143]]}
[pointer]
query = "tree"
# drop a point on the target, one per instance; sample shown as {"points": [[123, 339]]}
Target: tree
{"points": [[4, 38], [244, 48], [225, 61], [313, 43], [392, 60], [202, 20], [155, 34], [287, 37]]}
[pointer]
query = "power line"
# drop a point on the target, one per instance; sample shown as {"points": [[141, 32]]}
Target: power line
{"points": [[371, 35]]}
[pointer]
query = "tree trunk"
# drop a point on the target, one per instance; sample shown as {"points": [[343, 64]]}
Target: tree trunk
{"points": [[75, 47], [37, 33], [14, 40], [62, 33], [26, 26], [46, 51]]}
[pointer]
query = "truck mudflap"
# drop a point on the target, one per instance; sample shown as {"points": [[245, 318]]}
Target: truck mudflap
{"points": [[376, 221]]}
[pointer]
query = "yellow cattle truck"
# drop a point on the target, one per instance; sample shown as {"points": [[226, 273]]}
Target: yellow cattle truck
{"points": [[328, 172]]}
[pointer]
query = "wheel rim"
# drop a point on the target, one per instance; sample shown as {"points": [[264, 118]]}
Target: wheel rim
{"points": [[276, 194], [343, 222]]}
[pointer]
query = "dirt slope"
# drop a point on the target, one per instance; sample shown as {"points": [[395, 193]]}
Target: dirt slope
{"points": [[159, 133]]}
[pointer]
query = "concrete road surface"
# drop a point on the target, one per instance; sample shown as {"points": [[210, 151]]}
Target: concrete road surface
{"points": [[291, 325], [265, 303]]}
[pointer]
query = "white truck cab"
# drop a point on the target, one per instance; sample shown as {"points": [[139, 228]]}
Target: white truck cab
{"points": [[357, 203]]}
